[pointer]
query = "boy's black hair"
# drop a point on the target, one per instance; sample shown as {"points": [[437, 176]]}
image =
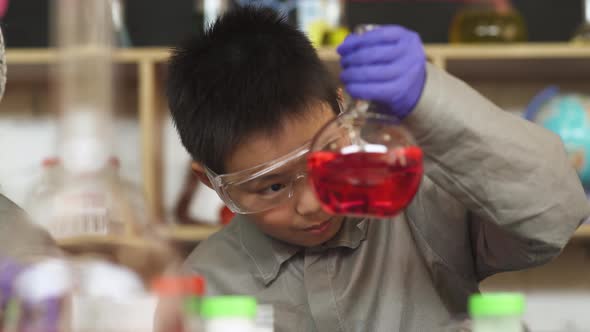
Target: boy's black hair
{"points": [[249, 72]]}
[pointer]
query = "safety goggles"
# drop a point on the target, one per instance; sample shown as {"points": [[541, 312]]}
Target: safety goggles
{"points": [[264, 186]]}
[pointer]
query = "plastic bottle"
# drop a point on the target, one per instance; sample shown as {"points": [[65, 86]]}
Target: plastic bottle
{"points": [[494, 312], [582, 34], [485, 21], [264, 318], [109, 298], [170, 292], [211, 9], [44, 291], [195, 290], [324, 21], [179, 303], [229, 313]]}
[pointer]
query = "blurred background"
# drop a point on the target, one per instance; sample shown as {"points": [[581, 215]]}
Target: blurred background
{"points": [[164, 23]]}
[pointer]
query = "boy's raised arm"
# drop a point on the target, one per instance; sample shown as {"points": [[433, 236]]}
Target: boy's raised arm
{"points": [[524, 200]]}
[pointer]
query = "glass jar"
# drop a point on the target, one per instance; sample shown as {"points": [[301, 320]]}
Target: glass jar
{"points": [[229, 313], [491, 312], [485, 21]]}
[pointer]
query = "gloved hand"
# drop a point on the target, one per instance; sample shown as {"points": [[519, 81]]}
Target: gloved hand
{"points": [[387, 66]]}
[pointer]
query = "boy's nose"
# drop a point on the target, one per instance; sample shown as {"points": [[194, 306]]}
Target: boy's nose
{"points": [[307, 204]]}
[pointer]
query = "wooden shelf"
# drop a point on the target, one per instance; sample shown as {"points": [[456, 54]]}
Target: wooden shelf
{"points": [[188, 233], [583, 232], [49, 56], [434, 51], [513, 51], [174, 233], [512, 64], [491, 51]]}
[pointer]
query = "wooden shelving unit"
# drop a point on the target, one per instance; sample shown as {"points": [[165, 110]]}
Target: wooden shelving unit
{"points": [[507, 74], [187, 234]]}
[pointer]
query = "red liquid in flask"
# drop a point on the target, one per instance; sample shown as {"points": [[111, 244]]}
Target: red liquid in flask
{"points": [[366, 183]]}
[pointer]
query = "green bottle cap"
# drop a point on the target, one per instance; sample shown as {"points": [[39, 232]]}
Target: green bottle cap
{"points": [[192, 306], [228, 306], [496, 304]]}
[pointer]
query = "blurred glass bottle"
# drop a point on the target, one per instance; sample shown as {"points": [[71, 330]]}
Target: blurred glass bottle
{"points": [[46, 184], [265, 319], [43, 293], [90, 210], [123, 38], [484, 21], [193, 301], [324, 21], [491, 312], [208, 10], [229, 313], [583, 33], [52, 178]]}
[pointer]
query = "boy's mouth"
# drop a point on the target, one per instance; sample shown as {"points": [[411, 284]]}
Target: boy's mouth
{"points": [[319, 228]]}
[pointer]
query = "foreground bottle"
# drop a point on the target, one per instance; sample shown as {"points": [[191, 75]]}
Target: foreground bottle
{"points": [[229, 313], [491, 312]]}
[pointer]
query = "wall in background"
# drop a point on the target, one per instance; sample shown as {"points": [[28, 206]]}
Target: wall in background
{"points": [[165, 23]]}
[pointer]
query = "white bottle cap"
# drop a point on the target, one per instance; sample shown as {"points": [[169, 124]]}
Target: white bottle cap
{"points": [[48, 279]]}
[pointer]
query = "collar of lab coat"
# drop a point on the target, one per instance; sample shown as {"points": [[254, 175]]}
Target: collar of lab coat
{"points": [[269, 254]]}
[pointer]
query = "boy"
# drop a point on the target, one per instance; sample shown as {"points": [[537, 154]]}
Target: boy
{"points": [[498, 193]]}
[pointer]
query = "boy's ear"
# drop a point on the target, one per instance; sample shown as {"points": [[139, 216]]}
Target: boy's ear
{"points": [[200, 172]]}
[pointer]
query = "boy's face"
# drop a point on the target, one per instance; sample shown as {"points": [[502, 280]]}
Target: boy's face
{"points": [[300, 220]]}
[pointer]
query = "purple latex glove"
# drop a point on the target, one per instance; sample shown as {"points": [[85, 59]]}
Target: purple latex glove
{"points": [[387, 66]]}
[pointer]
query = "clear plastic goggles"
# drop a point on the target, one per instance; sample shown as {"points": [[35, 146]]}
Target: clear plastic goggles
{"points": [[264, 186]]}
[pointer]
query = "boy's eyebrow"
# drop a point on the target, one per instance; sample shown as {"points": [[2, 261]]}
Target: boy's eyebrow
{"points": [[272, 176], [294, 169], [265, 178], [303, 148]]}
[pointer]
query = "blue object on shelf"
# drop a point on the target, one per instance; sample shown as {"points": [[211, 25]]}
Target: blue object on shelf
{"points": [[567, 115]]}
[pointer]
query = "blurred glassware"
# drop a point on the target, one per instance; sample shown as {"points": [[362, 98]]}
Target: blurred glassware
{"points": [[491, 312], [83, 202], [324, 21], [582, 35], [488, 21], [123, 39], [180, 300], [43, 293], [365, 163], [229, 313], [209, 10]]}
